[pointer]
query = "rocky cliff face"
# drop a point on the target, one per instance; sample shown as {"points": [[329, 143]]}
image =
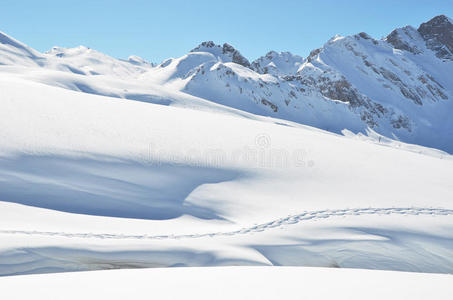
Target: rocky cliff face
{"points": [[407, 39], [435, 35], [438, 34]]}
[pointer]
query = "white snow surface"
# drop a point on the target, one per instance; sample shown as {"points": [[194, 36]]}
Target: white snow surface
{"points": [[93, 182], [201, 161], [231, 283]]}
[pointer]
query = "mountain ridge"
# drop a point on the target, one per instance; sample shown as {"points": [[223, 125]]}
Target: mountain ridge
{"points": [[398, 86]]}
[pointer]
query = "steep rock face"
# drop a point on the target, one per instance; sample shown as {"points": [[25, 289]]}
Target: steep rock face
{"points": [[236, 57], [438, 34], [278, 64], [407, 39]]}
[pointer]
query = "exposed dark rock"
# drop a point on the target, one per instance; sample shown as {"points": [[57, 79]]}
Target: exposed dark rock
{"points": [[208, 44], [236, 56], [405, 90], [313, 54], [398, 42], [325, 81], [401, 122], [270, 104], [438, 34], [226, 49]]}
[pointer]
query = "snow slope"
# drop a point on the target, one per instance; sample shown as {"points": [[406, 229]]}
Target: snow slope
{"points": [[231, 283], [14, 52], [93, 182]]}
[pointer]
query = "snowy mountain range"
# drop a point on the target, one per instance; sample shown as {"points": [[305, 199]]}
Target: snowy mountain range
{"points": [[400, 86]]}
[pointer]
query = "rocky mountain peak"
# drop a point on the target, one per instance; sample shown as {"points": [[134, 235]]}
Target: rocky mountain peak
{"points": [[139, 61], [225, 52], [271, 54], [279, 64], [405, 38], [203, 45], [438, 34], [236, 55], [437, 21]]}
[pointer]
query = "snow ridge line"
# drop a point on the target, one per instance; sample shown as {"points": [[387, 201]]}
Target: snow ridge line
{"points": [[305, 216]]}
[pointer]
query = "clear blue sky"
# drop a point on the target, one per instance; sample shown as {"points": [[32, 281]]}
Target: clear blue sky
{"points": [[169, 28]]}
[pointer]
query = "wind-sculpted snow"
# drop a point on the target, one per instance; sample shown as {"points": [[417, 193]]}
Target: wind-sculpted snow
{"points": [[94, 182], [309, 215], [108, 186], [346, 242]]}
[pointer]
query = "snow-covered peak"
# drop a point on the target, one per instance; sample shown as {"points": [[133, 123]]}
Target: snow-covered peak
{"points": [[438, 34], [139, 61], [279, 64], [335, 38], [438, 21], [337, 46], [208, 46], [341, 44], [68, 52], [177, 69], [85, 60], [406, 38], [225, 53]]}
